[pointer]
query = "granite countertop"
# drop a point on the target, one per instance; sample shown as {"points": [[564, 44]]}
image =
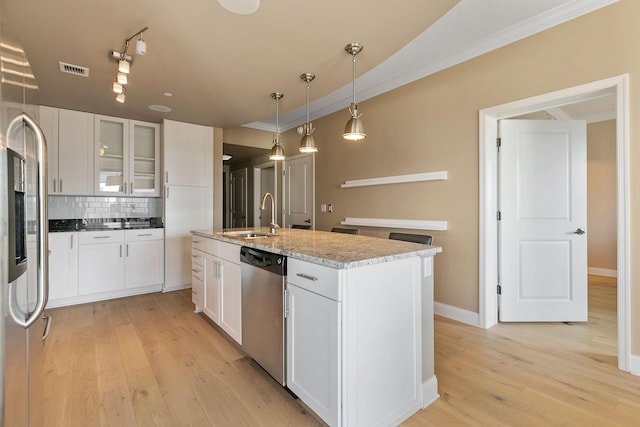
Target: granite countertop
{"points": [[334, 250]]}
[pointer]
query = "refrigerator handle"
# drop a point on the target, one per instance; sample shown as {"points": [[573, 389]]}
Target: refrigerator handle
{"points": [[43, 227]]}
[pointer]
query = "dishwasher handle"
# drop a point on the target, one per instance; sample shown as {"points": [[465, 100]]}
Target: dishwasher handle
{"points": [[256, 258]]}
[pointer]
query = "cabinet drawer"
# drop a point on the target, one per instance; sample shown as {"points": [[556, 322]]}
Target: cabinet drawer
{"points": [[197, 257], [204, 244], [197, 271], [145, 234], [197, 291], [94, 237], [315, 278], [229, 251]]}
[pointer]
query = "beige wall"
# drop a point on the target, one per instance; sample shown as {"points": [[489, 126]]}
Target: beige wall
{"points": [[601, 195], [432, 124]]}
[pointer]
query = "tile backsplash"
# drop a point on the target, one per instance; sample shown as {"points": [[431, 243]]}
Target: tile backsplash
{"points": [[78, 207]]}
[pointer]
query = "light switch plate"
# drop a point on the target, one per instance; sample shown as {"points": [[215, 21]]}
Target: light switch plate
{"points": [[323, 207]]}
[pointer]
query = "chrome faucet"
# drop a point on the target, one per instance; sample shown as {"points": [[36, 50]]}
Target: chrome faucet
{"points": [[274, 226]]}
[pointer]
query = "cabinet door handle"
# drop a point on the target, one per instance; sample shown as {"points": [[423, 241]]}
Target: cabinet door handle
{"points": [[54, 185], [71, 241], [166, 177], [131, 187], [120, 251], [61, 185], [145, 234], [195, 270], [101, 237], [306, 276], [127, 250]]}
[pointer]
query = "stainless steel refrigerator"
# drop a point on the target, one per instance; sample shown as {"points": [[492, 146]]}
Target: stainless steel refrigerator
{"points": [[23, 238]]}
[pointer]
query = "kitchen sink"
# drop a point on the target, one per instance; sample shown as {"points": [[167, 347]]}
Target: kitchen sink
{"points": [[247, 234]]}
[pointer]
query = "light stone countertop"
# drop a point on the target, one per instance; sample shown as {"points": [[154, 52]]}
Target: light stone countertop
{"points": [[334, 250]]}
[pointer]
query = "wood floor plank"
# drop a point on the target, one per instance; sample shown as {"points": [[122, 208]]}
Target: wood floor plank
{"points": [[150, 360]]}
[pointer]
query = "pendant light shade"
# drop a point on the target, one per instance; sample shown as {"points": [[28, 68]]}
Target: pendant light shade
{"points": [[308, 143], [122, 78], [354, 130], [277, 151], [123, 66]]}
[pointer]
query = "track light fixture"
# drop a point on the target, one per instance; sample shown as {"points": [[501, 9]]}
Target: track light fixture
{"points": [[308, 143], [277, 151], [354, 130], [124, 63]]}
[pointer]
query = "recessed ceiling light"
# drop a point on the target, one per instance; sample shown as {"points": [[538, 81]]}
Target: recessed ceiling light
{"points": [[240, 7], [167, 94], [226, 157], [160, 108]]}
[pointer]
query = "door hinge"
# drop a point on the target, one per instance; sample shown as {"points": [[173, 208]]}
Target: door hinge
{"points": [[498, 142], [284, 173], [499, 290], [499, 216]]}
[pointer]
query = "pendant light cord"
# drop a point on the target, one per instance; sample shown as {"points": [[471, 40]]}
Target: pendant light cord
{"points": [[308, 125], [354, 77]]}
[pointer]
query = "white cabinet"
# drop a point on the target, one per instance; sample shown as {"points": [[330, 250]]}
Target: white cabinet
{"points": [[188, 154], [144, 159], [143, 257], [63, 265], [212, 270], [354, 342], [217, 265], [101, 261], [69, 137], [127, 157], [230, 290], [313, 338], [188, 192]]}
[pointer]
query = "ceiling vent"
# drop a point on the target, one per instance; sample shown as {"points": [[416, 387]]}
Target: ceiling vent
{"points": [[74, 69]]}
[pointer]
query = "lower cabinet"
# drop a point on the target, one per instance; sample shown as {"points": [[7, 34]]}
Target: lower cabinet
{"points": [[93, 265], [354, 344], [222, 301], [313, 354], [63, 265], [143, 258], [101, 261]]}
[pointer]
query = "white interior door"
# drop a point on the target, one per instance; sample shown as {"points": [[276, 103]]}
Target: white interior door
{"points": [[543, 195], [239, 198], [299, 183]]}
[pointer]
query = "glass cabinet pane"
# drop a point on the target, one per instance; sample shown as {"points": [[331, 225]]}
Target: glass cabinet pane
{"points": [[111, 152], [144, 159]]}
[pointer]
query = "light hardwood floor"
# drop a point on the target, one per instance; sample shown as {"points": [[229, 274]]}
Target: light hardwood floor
{"points": [[149, 360]]}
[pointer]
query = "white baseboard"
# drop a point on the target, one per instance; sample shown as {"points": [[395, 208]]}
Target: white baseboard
{"points": [[120, 293], [430, 391], [634, 365], [455, 313], [602, 272], [176, 288]]}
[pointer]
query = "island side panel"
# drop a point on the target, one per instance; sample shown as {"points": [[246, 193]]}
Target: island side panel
{"points": [[382, 342], [429, 380]]}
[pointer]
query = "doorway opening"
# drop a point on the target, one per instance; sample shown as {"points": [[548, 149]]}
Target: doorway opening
{"points": [[488, 169], [265, 180]]}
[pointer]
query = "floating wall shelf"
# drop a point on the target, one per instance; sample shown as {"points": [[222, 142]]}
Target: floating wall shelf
{"points": [[398, 179], [397, 223]]}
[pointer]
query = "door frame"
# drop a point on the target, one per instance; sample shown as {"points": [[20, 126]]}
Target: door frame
{"points": [[232, 195], [488, 200], [257, 184]]}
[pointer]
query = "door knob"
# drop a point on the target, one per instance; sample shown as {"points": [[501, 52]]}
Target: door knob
{"points": [[579, 231], [308, 221]]}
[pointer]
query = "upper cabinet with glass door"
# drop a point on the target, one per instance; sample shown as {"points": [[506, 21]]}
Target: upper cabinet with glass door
{"points": [[127, 157], [144, 164], [112, 142]]}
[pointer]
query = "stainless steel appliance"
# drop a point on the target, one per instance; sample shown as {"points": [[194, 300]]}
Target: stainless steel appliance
{"points": [[23, 239], [263, 326]]}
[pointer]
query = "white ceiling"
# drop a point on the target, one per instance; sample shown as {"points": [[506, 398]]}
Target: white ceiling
{"points": [[222, 67]]}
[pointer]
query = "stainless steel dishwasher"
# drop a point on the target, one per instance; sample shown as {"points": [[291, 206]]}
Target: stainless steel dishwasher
{"points": [[263, 326]]}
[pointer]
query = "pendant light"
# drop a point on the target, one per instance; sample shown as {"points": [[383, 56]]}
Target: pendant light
{"points": [[277, 151], [307, 143], [354, 130]]}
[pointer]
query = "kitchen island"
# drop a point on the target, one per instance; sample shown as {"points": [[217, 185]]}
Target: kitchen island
{"points": [[359, 318]]}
